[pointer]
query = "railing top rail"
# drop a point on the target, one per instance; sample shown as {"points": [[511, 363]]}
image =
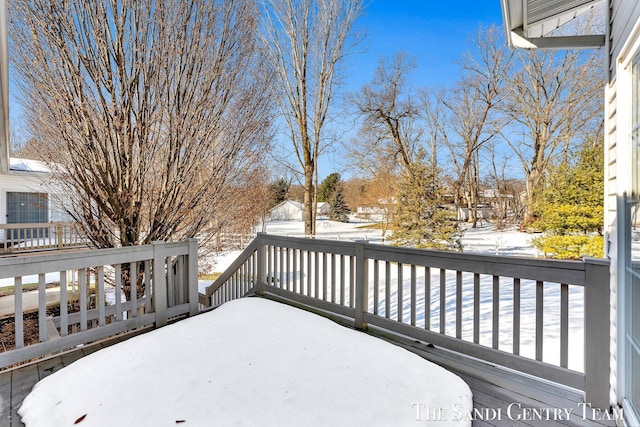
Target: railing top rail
{"points": [[570, 272], [319, 245], [246, 253], [34, 264], [36, 225]]}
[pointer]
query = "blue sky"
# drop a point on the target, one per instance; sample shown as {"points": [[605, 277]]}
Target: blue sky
{"points": [[435, 33]]}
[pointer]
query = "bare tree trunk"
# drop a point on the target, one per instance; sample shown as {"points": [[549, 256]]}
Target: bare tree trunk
{"points": [[306, 41], [556, 97]]}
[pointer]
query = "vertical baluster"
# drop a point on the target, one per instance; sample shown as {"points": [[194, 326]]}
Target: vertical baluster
{"points": [[564, 325], [427, 298], [270, 265], [295, 275], [42, 307], [443, 300], [476, 308], [82, 283], [64, 305], [324, 276], [352, 281], [387, 290], [184, 280], [413, 295], [248, 282], [245, 276], [282, 254], [458, 304], [333, 278], [133, 281], [495, 334], [309, 273], [316, 278], [288, 263], [18, 317], [119, 291], [303, 274], [147, 286], [399, 294], [516, 316], [376, 287], [170, 294], [100, 285], [539, 318], [342, 280]]}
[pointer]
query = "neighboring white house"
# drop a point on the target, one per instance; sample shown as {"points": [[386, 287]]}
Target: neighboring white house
{"points": [[290, 210], [322, 208], [25, 194], [526, 24]]}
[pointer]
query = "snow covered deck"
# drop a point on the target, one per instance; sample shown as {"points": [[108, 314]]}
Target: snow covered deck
{"points": [[499, 398]]}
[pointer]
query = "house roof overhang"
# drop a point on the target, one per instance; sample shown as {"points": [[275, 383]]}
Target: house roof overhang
{"points": [[529, 22]]}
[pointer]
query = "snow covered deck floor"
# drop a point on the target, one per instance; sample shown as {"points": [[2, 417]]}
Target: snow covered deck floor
{"points": [[499, 398], [16, 383]]}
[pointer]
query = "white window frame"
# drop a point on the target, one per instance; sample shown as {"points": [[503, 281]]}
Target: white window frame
{"points": [[624, 100]]}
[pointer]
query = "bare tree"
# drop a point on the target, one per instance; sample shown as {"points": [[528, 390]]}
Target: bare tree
{"points": [[306, 42], [390, 114], [148, 110], [555, 97], [471, 105]]}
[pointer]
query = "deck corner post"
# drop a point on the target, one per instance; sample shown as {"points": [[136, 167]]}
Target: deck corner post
{"points": [[597, 330], [262, 265], [194, 305], [361, 291], [159, 284]]}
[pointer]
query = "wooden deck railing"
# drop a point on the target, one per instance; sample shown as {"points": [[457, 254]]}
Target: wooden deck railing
{"points": [[83, 278], [37, 237], [488, 307]]}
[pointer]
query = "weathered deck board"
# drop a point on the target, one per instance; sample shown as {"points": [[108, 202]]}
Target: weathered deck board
{"points": [[16, 383], [494, 389], [49, 366], [5, 400], [22, 381]]}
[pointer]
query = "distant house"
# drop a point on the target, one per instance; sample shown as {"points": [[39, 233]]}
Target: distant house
{"points": [[291, 210], [25, 194], [322, 208]]}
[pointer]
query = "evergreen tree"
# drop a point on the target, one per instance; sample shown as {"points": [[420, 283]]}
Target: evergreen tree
{"points": [[338, 209], [328, 187], [420, 220], [572, 211], [278, 191]]}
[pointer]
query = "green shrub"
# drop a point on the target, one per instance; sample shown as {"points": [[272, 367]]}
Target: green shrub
{"points": [[570, 246]]}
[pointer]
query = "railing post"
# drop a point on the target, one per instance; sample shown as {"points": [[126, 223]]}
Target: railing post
{"points": [[159, 284], [262, 265], [362, 287], [59, 237], [596, 331], [194, 305]]}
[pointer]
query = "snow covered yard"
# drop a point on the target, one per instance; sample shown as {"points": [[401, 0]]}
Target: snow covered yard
{"points": [[251, 362]]}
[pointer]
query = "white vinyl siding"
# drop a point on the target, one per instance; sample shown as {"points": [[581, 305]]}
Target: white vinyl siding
{"points": [[624, 15]]}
